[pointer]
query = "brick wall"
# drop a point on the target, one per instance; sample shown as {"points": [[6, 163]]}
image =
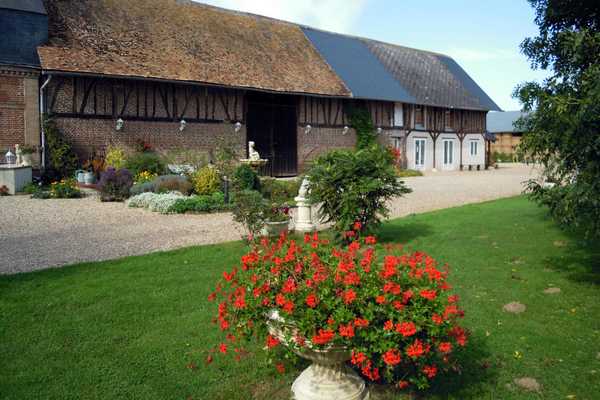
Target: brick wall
{"points": [[320, 141], [94, 135], [19, 112]]}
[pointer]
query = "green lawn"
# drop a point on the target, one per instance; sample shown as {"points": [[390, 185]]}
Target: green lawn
{"points": [[136, 328]]}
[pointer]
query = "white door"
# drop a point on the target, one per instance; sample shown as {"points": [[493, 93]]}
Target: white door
{"points": [[448, 154], [419, 153]]}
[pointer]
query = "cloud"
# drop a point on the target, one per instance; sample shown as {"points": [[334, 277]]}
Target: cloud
{"points": [[332, 15]]}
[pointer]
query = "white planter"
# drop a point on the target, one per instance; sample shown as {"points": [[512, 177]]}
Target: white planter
{"points": [[328, 377], [14, 177], [275, 228], [89, 178]]}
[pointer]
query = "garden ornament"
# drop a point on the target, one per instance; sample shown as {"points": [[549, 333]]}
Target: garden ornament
{"points": [[252, 153], [304, 220], [19, 155]]}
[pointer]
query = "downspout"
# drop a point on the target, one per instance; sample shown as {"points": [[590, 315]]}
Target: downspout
{"points": [[42, 109]]}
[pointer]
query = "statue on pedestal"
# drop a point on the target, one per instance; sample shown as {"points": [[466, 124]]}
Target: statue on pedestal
{"points": [[252, 153], [19, 154], [304, 221]]}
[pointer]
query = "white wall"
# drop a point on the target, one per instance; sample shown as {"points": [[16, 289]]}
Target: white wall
{"points": [[478, 159]]}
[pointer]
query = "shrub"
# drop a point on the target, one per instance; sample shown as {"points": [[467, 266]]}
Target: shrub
{"points": [[144, 177], [248, 209], [64, 189], [141, 188], [141, 200], [4, 191], [391, 311], [245, 178], [170, 183], [115, 157], [278, 190], [200, 204], [114, 184], [61, 158], [31, 188], [185, 161], [146, 161], [206, 181], [354, 186]]}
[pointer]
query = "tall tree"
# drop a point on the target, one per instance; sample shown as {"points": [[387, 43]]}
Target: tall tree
{"points": [[563, 128]]}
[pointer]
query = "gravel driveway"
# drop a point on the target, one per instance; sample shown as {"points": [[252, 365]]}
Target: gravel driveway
{"points": [[38, 234]]}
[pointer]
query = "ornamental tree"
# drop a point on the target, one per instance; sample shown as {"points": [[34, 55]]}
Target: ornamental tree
{"points": [[563, 128]]}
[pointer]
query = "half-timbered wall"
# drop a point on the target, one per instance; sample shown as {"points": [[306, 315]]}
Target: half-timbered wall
{"points": [[436, 120], [331, 112], [103, 98]]}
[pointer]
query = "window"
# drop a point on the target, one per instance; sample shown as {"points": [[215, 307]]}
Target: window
{"points": [[449, 120], [419, 117], [474, 148], [398, 115]]}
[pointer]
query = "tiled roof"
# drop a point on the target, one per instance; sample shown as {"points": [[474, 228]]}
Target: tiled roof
{"points": [[32, 6], [433, 79], [185, 41]]}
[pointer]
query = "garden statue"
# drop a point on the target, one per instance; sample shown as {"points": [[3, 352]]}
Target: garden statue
{"points": [[19, 154], [304, 221], [252, 153]]}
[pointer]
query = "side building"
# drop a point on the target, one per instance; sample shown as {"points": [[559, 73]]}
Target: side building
{"points": [[508, 136]]}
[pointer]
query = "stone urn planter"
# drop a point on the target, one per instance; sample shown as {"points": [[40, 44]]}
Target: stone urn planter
{"points": [[328, 377], [275, 228], [89, 178]]}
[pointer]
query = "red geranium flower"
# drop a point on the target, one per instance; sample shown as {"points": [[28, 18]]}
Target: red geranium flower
{"points": [[359, 322], [370, 240], [357, 226], [430, 371], [311, 300], [380, 299], [349, 296], [406, 328], [280, 368], [358, 358], [392, 357], [428, 294], [445, 347], [415, 349], [325, 336], [272, 341], [388, 325], [346, 330], [223, 348]]}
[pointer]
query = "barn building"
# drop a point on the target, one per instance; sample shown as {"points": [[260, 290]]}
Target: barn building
{"points": [[180, 74]]}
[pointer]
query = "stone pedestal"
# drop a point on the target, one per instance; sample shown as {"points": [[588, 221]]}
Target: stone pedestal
{"points": [[15, 177], [304, 219]]}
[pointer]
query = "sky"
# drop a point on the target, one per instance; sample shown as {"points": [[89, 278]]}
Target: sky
{"points": [[483, 36]]}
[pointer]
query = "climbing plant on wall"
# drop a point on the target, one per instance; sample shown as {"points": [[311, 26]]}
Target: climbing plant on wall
{"points": [[360, 120]]}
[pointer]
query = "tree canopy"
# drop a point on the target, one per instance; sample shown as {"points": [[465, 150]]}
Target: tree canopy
{"points": [[563, 127]]}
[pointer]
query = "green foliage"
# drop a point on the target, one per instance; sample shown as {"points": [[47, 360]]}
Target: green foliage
{"points": [[145, 161], [501, 157], [62, 161], [64, 189], [224, 155], [200, 204], [248, 209], [360, 120], [115, 157], [28, 149], [206, 181], [245, 178], [186, 160], [354, 186], [139, 188], [279, 190], [31, 188], [562, 128], [407, 173]]}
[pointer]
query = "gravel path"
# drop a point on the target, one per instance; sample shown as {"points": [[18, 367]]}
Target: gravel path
{"points": [[38, 234]]}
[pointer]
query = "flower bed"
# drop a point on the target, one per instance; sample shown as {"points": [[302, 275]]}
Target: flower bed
{"points": [[177, 203], [393, 312]]}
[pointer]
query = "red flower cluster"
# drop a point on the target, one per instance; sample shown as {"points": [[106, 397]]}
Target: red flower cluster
{"points": [[349, 297]]}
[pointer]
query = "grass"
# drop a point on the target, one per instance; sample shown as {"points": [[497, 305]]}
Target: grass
{"points": [[137, 328], [407, 173]]}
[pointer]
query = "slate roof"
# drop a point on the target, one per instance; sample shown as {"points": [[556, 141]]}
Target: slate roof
{"points": [[184, 41], [359, 68], [33, 6], [432, 78], [503, 121]]}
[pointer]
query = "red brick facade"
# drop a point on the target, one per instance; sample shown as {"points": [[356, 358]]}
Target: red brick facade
{"points": [[19, 112]]}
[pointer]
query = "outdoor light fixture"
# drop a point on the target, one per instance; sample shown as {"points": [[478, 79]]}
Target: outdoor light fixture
{"points": [[307, 129], [120, 124], [182, 125], [345, 130], [10, 158], [237, 127], [379, 131]]}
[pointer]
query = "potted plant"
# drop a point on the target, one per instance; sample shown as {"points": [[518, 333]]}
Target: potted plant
{"points": [[277, 219], [390, 315], [26, 154]]}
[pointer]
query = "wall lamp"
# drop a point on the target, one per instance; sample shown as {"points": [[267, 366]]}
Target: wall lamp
{"points": [[237, 127], [120, 124], [345, 130], [379, 131], [307, 129], [182, 125]]}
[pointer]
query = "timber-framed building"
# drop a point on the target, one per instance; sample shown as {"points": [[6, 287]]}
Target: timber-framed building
{"points": [[231, 76]]}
